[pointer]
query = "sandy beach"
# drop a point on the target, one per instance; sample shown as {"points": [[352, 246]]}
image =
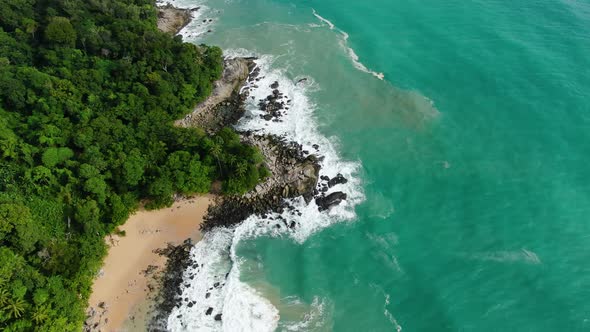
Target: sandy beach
{"points": [[120, 292]]}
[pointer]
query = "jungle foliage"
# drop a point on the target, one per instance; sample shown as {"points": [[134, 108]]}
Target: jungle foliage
{"points": [[89, 90]]}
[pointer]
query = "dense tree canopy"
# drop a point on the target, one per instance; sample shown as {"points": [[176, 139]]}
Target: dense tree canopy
{"points": [[89, 90]]}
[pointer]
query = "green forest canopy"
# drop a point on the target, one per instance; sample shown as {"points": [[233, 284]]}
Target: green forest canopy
{"points": [[89, 90]]}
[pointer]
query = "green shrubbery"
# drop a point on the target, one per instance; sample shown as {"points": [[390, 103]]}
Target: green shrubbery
{"points": [[89, 90]]}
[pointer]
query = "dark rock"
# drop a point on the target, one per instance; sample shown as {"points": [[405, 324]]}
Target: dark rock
{"points": [[207, 295], [338, 179], [209, 311], [216, 284], [275, 85], [302, 80], [171, 281], [218, 317], [190, 304], [325, 203]]}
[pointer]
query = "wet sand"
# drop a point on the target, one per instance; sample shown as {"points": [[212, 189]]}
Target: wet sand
{"points": [[122, 288]]}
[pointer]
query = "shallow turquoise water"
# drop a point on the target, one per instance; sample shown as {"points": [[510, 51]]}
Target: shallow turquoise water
{"points": [[477, 210]]}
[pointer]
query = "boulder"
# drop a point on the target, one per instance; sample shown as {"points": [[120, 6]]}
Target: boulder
{"points": [[325, 203], [338, 179]]}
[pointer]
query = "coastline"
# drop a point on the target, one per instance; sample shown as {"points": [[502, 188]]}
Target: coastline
{"points": [[142, 300], [123, 292]]}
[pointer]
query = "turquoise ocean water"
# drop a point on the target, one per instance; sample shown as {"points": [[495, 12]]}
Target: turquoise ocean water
{"points": [[472, 163]]}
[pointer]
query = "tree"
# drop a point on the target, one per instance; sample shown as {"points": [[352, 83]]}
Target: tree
{"points": [[96, 186], [60, 32], [15, 307], [241, 169], [40, 314], [133, 167], [216, 150], [54, 156]]}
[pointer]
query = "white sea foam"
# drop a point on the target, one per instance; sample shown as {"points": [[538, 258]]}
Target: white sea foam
{"points": [[243, 307], [210, 262], [330, 24], [389, 315], [349, 50], [313, 318]]}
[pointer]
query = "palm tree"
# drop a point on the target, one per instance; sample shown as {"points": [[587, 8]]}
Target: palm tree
{"points": [[4, 296], [15, 307], [242, 169], [31, 26], [231, 160], [40, 315], [216, 151]]}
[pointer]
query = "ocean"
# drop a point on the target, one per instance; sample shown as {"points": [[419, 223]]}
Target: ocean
{"points": [[463, 128]]}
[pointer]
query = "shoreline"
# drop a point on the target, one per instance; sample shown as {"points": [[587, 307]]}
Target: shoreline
{"points": [[123, 293], [294, 172]]}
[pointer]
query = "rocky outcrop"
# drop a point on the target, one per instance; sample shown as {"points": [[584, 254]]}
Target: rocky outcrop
{"points": [[293, 170], [172, 19], [293, 174], [224, 107]]}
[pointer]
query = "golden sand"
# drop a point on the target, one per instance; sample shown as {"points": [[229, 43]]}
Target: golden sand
{"points": [[122, 284]]}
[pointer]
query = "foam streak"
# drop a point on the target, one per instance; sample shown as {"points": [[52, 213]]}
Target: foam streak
{"points": [[349, 50]]}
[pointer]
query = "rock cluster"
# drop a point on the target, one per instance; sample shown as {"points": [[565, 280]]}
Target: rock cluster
{"points": [[293, 174], [274, 104], [178, 258]]}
